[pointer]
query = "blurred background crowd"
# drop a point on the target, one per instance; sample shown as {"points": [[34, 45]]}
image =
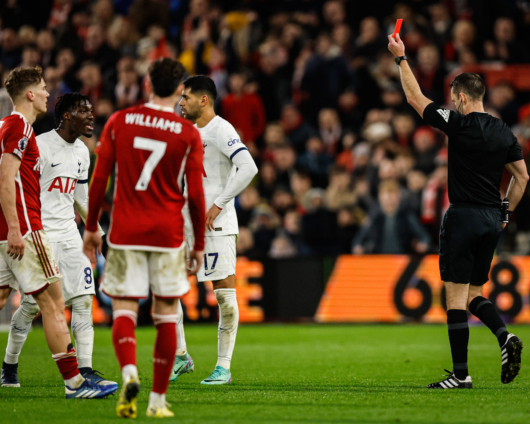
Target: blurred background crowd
{"points": [[346, 165]]}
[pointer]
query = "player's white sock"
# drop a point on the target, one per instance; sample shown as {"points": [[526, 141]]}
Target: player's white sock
{"points": [[83, 329], [20, 326], [74, 382], [128, 372], [157, 400], [181, 339], [228, 322]]}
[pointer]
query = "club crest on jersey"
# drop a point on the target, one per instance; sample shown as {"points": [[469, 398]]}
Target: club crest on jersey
{"points": [[22, 144], [233, 141]]}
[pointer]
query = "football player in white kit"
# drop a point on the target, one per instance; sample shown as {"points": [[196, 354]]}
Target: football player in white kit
{"points": [[228, 169], [64, 161]]}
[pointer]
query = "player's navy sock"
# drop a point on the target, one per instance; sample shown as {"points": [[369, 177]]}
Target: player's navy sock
{"points": [[123, 337], [485, 311], [165, 350], [85, 370], [459, 339]]}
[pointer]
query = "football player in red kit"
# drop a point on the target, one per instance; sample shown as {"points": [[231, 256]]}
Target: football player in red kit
{"points": [[151, 148], [26, 259]]}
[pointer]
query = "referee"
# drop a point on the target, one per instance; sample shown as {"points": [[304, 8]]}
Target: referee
{"points": [[480, 146]]}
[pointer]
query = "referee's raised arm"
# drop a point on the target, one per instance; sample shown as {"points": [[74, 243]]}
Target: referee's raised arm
{"points": [[411, 87]]}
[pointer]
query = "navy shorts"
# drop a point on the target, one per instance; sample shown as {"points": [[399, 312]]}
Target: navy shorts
{"points": [[468, 239]]}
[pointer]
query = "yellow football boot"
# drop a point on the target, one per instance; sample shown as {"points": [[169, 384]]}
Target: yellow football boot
{"points": [[126, 407]]}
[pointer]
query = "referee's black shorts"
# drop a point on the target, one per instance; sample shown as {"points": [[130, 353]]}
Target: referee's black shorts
{"points": [[468, 239]]}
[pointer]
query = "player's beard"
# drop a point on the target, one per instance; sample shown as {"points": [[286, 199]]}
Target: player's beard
{"points": [[192, 115]]}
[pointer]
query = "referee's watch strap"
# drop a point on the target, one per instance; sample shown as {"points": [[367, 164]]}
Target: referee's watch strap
{"points": [[399, 59]]}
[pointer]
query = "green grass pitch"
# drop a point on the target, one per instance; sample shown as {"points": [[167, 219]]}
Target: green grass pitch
{"points": [[292, 373]]}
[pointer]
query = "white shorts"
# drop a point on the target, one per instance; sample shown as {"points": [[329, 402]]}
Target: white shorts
{"points": [[129, 274], [219, 257], [77, 276], [35, 271]]}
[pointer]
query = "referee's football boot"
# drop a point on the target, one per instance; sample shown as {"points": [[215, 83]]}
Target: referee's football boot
{"points": [[219, 376], [127, 407], [87, 390], [97, 377], [9, 376], [451, 382], [182, 366], [511, 358]]}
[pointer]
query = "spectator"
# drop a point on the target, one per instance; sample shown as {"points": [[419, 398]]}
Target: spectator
{"points": [[91, 80], [284, 160], [267, 180], [339, 193], [502, 98], [505, 45], [244, 110], [391, 229], [348, 223], [326, 76], [10, 53], [247, 201], [128, 91], [316, 161], [319, 225], [425, 149], [300, 186], [46, 45], [296, 129], [430, 74], [370, 40], [403, 125], [6, 105], [30, 56], [463, 42], [330, 130], [435, 201]]}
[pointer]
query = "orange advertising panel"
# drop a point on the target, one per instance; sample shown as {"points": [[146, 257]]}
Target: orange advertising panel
{"points": [[393, 288], [245, 293]]}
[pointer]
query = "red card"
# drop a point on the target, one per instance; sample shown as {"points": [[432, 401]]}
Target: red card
{"points": [[397, 28]]}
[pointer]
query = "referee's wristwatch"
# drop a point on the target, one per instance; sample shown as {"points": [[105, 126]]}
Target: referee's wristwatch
{"points": [[399, 59]]}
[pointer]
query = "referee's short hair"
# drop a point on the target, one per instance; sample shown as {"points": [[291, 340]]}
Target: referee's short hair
{"points": [[470, 84]]}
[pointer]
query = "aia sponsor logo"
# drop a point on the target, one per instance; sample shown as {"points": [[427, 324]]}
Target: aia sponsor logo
{"points": [[67, 187]]}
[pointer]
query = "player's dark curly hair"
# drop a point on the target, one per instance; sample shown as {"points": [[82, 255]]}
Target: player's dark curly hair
{"points": [[165, 75], [469, 83], [201, 84], [66, 103], [19, 79]]}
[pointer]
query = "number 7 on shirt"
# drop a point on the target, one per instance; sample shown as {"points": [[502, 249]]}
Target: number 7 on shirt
{"points": [[158, 148]]}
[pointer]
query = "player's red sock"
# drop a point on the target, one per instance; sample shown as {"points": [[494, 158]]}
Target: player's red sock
{"points": [[165, 351], [123, 336], [67, 363]]}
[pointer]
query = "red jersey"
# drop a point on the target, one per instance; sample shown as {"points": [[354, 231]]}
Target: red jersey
{"points": [[151, 149], [17, 137]]}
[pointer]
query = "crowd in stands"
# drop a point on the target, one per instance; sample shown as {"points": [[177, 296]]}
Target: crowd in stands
{"points": [[345, 164]]}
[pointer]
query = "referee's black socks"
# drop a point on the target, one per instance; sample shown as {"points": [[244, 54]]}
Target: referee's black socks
{"points": [[459, 339], [484, 310]]}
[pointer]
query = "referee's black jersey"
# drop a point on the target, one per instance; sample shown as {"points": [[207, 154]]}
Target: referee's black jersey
{"points": [[479, 147]]}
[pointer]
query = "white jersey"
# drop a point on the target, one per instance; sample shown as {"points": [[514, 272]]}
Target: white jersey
{"points": [[64, 166], [221, 143]]}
